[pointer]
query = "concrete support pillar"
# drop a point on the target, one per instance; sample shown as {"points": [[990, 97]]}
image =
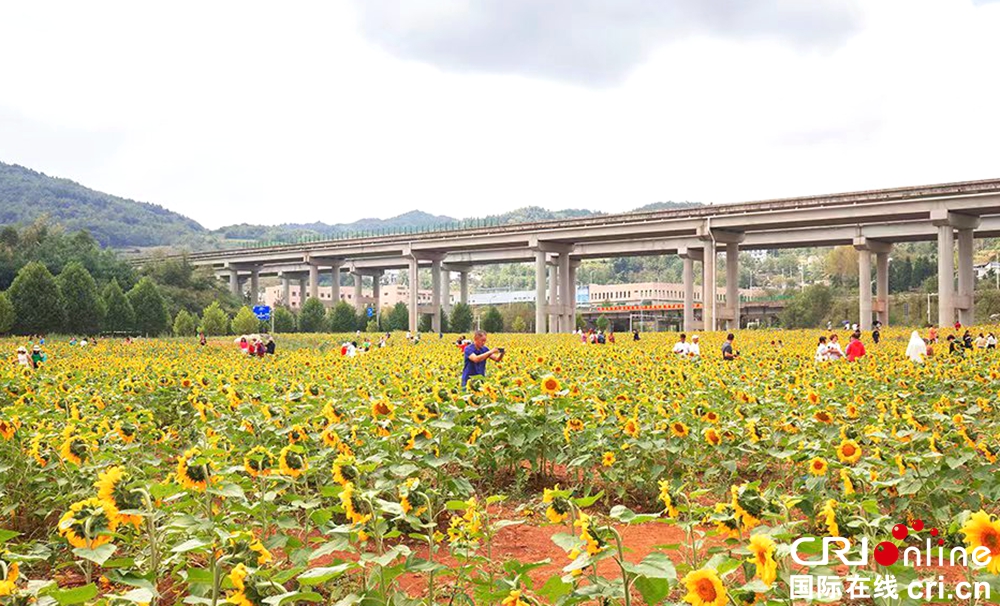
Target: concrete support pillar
{"points": [[313, 282], [358, 293], [254, 286], [565, 303], [540, 306], [234, 282], [865, 288], [882, 287], [966, 278], [376, 292], [463, 278], [445, 290], [302, 291], [414, 287], [573, 265], [687, 277], [335, 276], [554, 296], [286, 291], [436, 295], [708, 293], [946, 275], [733, 284]]}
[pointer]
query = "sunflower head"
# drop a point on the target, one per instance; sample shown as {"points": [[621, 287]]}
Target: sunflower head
{"points": [[704, 588]]}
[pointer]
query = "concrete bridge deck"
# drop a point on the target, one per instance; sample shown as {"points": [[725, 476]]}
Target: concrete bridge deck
{"points": [[870, 220]]}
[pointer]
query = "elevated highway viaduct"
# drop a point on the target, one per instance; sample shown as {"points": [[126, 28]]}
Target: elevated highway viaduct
{"points": [[952, 214]]}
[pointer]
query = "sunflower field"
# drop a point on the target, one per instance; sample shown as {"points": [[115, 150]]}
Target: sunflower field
{"points": [[163, 472]]}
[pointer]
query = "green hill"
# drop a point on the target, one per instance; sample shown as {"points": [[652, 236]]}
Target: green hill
{"points": [[26, 195]]}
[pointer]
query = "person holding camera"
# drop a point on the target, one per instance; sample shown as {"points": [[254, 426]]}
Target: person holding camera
{"points": [[476, 355]]}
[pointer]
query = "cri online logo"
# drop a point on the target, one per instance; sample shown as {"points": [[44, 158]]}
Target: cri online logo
{"points": [[887, 553]]}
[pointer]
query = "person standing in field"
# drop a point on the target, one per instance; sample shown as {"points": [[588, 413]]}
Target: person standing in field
{"points": [[681, 348], [855, 349], [728, 353], [821, 349], [476, 354], [917, 348]]}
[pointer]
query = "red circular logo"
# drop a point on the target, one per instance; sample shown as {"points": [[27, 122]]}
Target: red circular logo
{"points": [[886, 553], [899, 532], [918, 525]]}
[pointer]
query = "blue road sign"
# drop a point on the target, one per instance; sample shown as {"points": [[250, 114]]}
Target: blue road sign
{"points": [[371, 311], [263, 312]]}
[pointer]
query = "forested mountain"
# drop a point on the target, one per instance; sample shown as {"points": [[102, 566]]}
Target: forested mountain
{"points": [[27, 195]]}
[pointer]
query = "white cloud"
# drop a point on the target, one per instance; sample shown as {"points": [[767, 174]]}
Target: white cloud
{"points": [[231, 112]]}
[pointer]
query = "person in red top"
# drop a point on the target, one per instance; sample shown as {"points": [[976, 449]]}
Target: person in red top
{"points": [[855, 349]]}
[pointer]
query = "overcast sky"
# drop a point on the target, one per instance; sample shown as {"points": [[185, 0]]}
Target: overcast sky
{"points": [[337, 110]]}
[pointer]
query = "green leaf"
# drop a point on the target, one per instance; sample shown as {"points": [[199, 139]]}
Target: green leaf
{"points": [[137, 596], [77, 595], [98, 555], [318, 576], [584, 502], [189, 545], [229, 490], [554, 588], [657, 566], [652, 590], [6, 535], [297, 596]]}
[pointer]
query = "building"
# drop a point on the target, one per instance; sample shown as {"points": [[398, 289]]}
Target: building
{"points": [[984, 270], [654, 293], [389, 295]]}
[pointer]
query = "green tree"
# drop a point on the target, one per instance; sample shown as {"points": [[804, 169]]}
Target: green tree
{"points": [[185, 325], [519, 325], [492, 320], [119, 315], [444, 321], [602, 322], [6, 313], [245, 322], [214, 321], [580, 322], [342, 317], [424, 323], [150, 309], [37, 300], [808, 307], [372, 326], [312, 318], [461, 318], [83, 308], [284, 320], [398, 318]]}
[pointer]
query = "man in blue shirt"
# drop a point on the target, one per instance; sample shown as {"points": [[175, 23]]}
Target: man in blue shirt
{"points": [[476, 355]]}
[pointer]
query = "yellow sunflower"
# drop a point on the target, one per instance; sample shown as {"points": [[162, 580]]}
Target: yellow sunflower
{"points": [[668, 500], [258, 462], [818, 466], [344, 470], [762, 548], [849, 452], [113, 492], [828, 517], [982, 530], [352, 505], [193, 477], [679, 430], [704, 588], [8, 585], [75, 450], [712, 436], [550, 385], [88, 524], [292, 463]]}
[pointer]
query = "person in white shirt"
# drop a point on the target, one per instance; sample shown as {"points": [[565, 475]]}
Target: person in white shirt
{"points": [[833, 349], [23, 358], [694, 350], [682, 348], [991, 341], [821, 350]]}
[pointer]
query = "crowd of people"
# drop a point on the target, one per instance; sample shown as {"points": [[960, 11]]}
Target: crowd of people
{"points": [[254, 345]]}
